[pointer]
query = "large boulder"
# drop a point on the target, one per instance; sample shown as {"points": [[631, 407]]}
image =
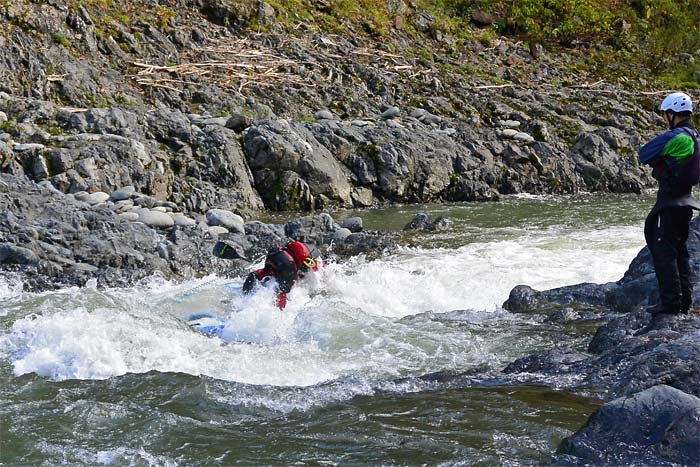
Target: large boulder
{"points": [[659, 426], [274, 148]]}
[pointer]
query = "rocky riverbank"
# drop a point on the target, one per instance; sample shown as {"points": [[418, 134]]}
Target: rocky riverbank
{"points": [[653, 372], [312, 122], [52, 239], [131, 148]]}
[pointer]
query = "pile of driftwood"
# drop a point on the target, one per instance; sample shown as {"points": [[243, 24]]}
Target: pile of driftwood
{"points": [[233, 64]]}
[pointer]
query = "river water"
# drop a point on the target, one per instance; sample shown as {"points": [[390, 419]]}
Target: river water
{"points": [[354, 372]]}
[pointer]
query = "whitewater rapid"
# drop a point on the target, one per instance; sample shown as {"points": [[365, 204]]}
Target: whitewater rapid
{"points": [[405, 314]]}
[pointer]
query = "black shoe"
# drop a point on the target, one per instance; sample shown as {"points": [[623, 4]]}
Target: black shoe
{"points": [[659, 320]]}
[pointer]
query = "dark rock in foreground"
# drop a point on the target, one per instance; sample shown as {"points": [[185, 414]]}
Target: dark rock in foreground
{"points": [[658, 426], [653, 366]]}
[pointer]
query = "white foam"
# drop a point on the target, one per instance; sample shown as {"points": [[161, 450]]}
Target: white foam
{"points": [[351, 321]]}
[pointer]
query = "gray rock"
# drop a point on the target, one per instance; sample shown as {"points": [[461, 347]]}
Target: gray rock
{"points": [[28, 147], [360, 123], [221, 217], [429, 119], [658, 426], [323, 115], [82, 196], [354, 224], [123, 193], [418, 113], [129, 216], [184, 221], [13, 254], [391, 112], [341, 234], [420, 221], [217, 230], [97, 198], [237, 123], [155, 218], [84, 267]]}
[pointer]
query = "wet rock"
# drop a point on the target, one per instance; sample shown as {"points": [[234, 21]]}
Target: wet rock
{"points": [[658, 426], [365, 242], [525, 299], [422, 222], [341, 234], [354, 224], [13, 254]]}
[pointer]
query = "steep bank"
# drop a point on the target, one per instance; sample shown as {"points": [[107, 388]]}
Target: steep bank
{"points": [[210, 115]]}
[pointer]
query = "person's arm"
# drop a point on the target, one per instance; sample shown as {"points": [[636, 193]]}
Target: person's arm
{"points": [[281, 300], [252, 279], [651, 152]]}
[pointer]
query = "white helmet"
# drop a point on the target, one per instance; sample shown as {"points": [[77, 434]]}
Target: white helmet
{"points": [[677, 102]]}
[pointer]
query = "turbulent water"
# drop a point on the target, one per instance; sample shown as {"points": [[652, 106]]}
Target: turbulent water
{"points": [[353, 372]]}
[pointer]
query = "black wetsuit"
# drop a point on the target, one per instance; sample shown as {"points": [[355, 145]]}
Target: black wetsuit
{"points": [[666, 227]]}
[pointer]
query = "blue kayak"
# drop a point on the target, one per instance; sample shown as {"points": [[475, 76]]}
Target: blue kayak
{"points": [[206, 323]]}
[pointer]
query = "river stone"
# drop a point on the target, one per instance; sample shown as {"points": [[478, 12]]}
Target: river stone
{"points": [[323, 115], [522, 136], [418, 113], [123, 193], [354, 224], [184, 221], [360, 123], [97, 198], [217, 230], [391, 112], [341, 234], [430, 119], [221, 217], [145, 201], [129, 216], [509, 132], [3, 117], [13, 254], [159, 209], [509, 123], [83, 196], [155, 219], [123, 205]]}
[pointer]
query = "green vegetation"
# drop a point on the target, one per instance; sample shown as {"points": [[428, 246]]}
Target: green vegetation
{"points": [[610, 36]]}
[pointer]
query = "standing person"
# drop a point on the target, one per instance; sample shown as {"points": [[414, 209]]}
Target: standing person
{"points": [[286, 264], [675, 160]]}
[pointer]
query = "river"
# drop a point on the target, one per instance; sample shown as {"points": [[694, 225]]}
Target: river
{"points": [[356, 371]]}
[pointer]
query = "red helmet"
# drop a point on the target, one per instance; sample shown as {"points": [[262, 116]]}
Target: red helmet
{"points": [[299, 252]]}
